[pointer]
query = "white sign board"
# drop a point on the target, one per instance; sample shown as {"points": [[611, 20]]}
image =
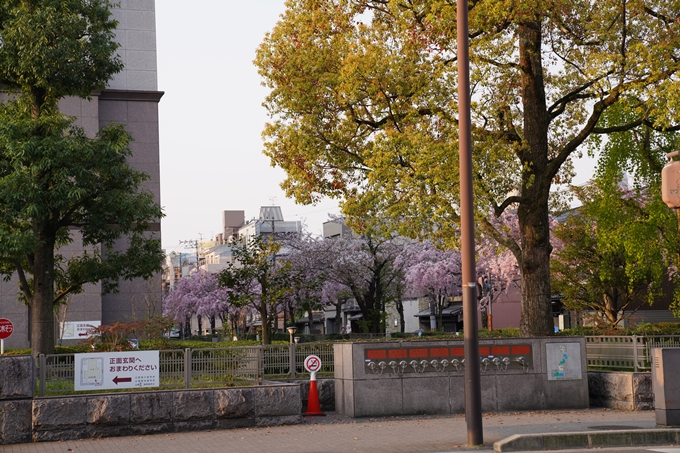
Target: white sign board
{"points": [[116, 370], [312, 363], [563, 361], [78, 330]]}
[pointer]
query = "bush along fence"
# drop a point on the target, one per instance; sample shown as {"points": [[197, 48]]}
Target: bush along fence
{"points": [[204, 368]]}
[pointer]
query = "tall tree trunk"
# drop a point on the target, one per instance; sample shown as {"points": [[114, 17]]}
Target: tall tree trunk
{"points": [[42, 300], [338, 315], [536, 317], [265, 322], [400, 310], [611, 307], [433, 314]]}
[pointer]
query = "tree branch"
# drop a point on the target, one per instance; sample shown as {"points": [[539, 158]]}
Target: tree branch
{"points": [[498, 210], [502, 239], [23, 281], [559, 106]]}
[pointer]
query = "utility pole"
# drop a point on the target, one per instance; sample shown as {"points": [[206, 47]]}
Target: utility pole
{"points": [[191, 244], [473, 391]]}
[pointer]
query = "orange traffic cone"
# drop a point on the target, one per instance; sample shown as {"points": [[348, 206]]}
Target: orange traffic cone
{"points": [[313, 406]]}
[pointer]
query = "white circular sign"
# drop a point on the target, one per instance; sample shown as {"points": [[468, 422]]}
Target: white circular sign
{"points": [[312, 363]]}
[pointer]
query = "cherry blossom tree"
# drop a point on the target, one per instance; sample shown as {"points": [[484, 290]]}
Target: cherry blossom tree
{"points": [[497, 267], [198, 294], [336, 295], [356, 267], [434, 273]]}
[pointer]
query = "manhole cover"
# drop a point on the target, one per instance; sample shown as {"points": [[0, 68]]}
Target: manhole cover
{"points": [[612, 427]]}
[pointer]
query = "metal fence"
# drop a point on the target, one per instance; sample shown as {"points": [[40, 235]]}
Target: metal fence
{"points": [[631, 353], [201, 368]]}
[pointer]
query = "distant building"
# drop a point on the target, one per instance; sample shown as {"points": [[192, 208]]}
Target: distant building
{"points": [[232, 222], [270, 222], [333, 229]]}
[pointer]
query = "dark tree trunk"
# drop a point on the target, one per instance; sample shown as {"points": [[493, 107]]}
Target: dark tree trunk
{"points": [[338, 315], [400, 310], [264, 316], [611, 307], [42, 299], [536, 317]]}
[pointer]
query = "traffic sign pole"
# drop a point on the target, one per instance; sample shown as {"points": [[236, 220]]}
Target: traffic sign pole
{"points": [[313, 365], [6, 329]]}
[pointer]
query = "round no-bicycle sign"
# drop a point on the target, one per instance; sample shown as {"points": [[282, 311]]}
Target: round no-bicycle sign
{"points": [[6, 328], [312, 363]]}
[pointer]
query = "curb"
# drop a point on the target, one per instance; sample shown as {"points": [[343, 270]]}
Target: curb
{"points": [[593, 439]]}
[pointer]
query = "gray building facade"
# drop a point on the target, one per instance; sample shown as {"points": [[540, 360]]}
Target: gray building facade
{"points": [[131, 99]]}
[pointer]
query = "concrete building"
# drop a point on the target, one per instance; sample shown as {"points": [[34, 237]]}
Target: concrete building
{"points": [[131, 99], [270, 222], [232, 222], [332, 229]]}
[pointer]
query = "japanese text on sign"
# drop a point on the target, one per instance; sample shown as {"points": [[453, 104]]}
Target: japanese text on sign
{"points": [[110, 370]]}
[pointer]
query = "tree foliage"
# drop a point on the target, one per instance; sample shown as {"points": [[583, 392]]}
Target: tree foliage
{"points": [[256, 278], [433, 273], [197, 294], [53, 177], [356, 267], [364, 108], [620, 247]]}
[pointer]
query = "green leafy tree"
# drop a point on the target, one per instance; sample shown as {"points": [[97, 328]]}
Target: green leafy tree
{"points": [[256, 278], [364, 108], [54, 179], [620, 247]]}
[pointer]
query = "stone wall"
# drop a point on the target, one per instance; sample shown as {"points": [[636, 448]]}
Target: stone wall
{"points": [[369, 382], [17, 382], [621, 390], [24, 418], [107, 415]]}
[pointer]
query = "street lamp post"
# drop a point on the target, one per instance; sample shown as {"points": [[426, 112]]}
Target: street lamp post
{"points": [[473, 394], [291, 358]]}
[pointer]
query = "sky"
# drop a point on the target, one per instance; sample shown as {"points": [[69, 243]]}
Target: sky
{"points": [[211, 119]]}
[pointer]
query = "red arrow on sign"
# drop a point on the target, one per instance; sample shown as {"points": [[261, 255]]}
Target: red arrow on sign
{"points": [[117, 379]]}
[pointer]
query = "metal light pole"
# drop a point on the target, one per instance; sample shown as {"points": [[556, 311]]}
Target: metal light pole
{"points": [[473, 394], [291, 358]]}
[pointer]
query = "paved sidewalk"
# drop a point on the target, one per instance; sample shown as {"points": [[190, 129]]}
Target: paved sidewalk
{"points": [[336, 434]]}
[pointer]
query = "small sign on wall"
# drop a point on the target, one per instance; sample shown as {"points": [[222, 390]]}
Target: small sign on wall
{"points": [[78, 330], [115, 370], [563, 361]]}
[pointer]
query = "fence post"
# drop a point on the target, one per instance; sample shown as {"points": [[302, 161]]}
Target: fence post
{"points": [[187, 368], [260, 363], [291, 360], [635, 354], [43, 373]]}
